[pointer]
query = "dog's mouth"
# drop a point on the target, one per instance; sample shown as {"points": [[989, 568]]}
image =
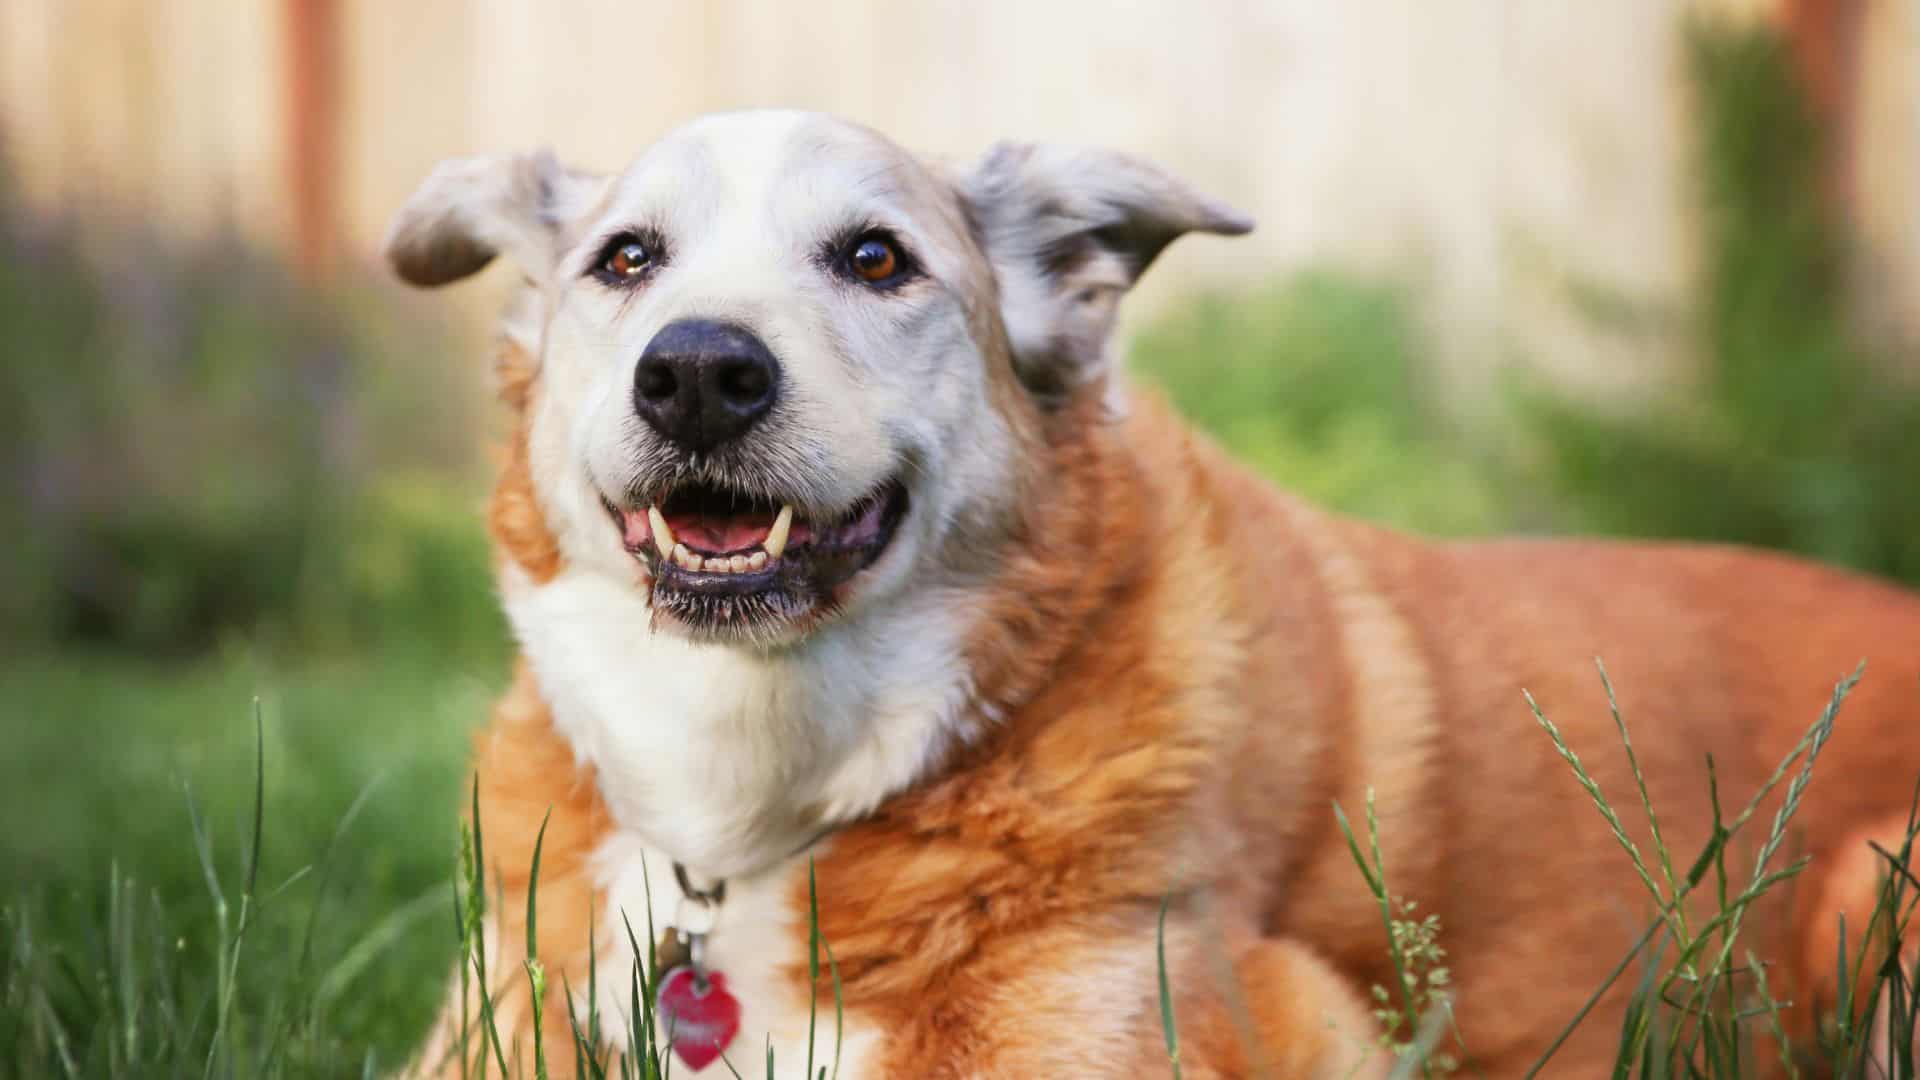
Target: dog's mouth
{"points": [[723, 559]]}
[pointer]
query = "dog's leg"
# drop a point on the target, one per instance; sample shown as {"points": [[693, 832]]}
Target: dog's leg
{"points": [[1850, 882], [531, 794], [461, 1038], [1269, 1008], [1285, 1013]]}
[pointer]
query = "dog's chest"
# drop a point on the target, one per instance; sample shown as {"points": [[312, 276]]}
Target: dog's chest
{"points": [[728, 759], [735, 763], [759, 941]]}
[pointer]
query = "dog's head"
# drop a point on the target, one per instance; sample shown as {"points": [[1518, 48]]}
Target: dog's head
{"points": [[787, 369]]}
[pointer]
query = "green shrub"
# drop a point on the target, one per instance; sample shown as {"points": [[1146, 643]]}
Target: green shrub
{"points": [[1797, 438], [1314, 381], [192, 446]]}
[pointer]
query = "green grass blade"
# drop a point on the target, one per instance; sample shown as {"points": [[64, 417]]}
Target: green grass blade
{"points": [[839, 1006], [259, 800], [813, 962], [1640, 784], [642, 1028], [1168, 1027], [1600, 802], [1374, 885], [660, 1061], [536, 974], [476, 910], [1593, 999]]}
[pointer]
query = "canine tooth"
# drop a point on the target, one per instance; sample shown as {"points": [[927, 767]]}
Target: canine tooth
{"points": [[757, 561], [776, 541], [717, 566], [685, 558], [738, 564], [662, 536]]}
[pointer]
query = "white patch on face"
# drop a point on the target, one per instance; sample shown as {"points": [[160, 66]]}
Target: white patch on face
{"points": [[873, 387], [757, 938]]}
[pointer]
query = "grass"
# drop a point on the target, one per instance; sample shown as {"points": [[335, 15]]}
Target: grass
{"points": [[480, 1046], [174, 905], [268, 895], [1703, 1006]]}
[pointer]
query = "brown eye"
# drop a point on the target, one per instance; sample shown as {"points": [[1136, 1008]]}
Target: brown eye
{"points": [[874, 259], [627, 261]]}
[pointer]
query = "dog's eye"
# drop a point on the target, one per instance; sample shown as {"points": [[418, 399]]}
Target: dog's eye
{"points": [[629, 260], [876, 259], [624, 260]]}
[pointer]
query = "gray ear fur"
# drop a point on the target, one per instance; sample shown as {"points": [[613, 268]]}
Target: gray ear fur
{"points": [[1068, 231], [470, 209]]}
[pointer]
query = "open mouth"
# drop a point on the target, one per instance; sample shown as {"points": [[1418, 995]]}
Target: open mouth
{"points": [[723, 557]]}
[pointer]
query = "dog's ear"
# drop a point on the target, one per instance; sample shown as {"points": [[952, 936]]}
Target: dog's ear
{"points": [[1068, 231], [470, 209]]}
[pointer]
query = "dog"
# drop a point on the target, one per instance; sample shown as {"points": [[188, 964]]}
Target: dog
{"points": [[848, 573]]}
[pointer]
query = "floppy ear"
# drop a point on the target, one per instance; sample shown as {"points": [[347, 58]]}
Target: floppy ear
{"points": [[470, 209], [1068, 231]]}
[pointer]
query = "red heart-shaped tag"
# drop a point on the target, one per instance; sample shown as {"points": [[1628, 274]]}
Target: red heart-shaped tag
{"points": [[699, 1022]]}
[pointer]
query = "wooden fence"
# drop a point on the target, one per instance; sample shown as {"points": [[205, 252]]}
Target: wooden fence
{"points": [[1489, 150]]}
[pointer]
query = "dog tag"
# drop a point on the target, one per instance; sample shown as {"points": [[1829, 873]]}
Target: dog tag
{"points": [[698, 1015], [672, 952]]}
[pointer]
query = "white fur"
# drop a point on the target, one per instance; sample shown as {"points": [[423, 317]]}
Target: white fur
{"points": [[729, 758], [714, 755], [758, 936]]}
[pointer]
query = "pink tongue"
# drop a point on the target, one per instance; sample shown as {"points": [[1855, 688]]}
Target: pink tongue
{"points": [[635, 530], [864, 530], [719, 536]]}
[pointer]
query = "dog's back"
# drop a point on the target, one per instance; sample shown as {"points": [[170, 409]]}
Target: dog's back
{"points": [[1713, 651]]}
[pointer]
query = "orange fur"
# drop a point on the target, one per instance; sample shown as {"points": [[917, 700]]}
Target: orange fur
{"points": [[1186, 671], [527, 778], [514, 519]]}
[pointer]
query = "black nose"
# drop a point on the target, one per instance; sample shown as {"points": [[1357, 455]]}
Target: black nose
{"points": [[702, 383]]}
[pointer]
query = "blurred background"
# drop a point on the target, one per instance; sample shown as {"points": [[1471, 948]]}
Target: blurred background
{"points": [[1643, 267]]}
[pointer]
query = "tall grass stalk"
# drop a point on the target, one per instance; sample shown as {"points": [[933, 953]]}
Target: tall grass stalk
{"points": [[1689, 1017]]}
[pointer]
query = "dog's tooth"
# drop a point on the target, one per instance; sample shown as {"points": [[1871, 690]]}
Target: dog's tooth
{"points": [[662, 535], [737, 564], [717, 565], [776, 541], [685, 558], [757, 561]]}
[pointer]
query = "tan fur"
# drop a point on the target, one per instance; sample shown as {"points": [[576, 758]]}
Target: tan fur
{"points": [[1177, 673], [1181, 705], [514, 520]]}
